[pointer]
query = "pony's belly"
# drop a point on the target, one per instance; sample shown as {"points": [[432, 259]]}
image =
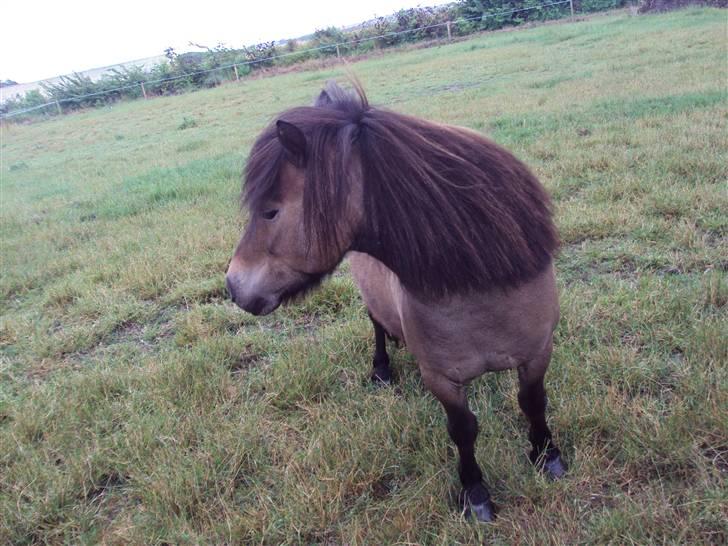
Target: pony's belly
{"points": [[464, 336], [380, 290]]}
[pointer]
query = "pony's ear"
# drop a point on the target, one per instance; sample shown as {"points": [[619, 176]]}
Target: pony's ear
{"points": [[323, 99], [293, 141]]}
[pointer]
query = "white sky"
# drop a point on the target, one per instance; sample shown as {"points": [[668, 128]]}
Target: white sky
{"points": [[42, 38]]}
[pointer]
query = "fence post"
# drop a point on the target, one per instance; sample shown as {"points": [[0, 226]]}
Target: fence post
{"points": [[571, 5], [338, 53], [144, 91], [60, 111], [449, 34], [237, 76]]}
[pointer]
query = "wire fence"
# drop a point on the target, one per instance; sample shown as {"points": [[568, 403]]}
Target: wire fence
{"points": [[234, 66]]}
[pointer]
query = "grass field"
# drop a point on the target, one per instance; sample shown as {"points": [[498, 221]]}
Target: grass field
{"points": [[137, 405]]}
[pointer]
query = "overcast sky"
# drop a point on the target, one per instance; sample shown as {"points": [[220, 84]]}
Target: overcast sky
{"points": [[41, 38]]}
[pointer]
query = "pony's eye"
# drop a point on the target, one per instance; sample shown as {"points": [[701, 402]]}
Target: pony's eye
{"points": [[270, 214]]}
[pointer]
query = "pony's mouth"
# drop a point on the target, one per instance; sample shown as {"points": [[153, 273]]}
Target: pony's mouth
{"points": [[260, 305], [298, 290]]}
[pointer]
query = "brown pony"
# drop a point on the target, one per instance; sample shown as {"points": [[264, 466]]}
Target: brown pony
{"points": [[450, 239]]}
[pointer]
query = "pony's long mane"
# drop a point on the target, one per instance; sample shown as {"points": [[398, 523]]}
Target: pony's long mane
{"points": [[446, 209]]}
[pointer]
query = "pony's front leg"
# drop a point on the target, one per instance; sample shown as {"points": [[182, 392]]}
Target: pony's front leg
{"points": [[463, 428], [532, 399]]}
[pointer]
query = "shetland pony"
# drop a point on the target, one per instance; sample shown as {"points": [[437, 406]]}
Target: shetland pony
{"points": [[451, 242]]}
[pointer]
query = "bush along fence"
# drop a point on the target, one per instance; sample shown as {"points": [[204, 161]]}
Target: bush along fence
{"points": [[204, 69]]}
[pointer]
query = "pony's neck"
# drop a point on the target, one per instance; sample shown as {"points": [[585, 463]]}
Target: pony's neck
{"points": [[370, 244]]}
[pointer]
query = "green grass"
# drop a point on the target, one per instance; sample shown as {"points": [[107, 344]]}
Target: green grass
{"points": [[137, 405]]}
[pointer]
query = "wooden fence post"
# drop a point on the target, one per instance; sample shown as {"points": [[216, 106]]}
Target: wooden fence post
{"points": [[60, 111], [449, 33], [338, 53], [237, 76], [571, 5], [144, 91]]}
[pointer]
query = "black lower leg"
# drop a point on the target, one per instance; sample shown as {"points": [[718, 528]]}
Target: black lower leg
{"points": [[463, 428], [381, 372], [544, 453]]}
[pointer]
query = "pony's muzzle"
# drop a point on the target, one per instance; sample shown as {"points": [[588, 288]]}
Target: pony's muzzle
{"points": [[252, 303]]}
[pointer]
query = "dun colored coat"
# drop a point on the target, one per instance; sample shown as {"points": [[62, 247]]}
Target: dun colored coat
{"points": [[450, 239]]}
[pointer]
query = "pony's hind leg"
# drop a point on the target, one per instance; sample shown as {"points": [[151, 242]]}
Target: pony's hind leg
{"points": [[380, 365], [532, 399], [463, 428]]}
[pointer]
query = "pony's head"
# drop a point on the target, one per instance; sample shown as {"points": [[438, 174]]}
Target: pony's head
{"points": [[303, 199]]}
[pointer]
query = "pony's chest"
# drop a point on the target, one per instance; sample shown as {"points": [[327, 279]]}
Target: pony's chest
{"points": [[381, 291]]}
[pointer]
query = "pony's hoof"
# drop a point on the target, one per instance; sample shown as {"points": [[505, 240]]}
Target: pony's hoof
{"points": [[477, 504], [483, 512], [550, 463], [379, 381], [381, 378], [555, 468]]}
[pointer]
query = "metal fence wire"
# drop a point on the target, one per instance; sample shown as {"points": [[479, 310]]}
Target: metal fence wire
{"points": [[336, 46]]}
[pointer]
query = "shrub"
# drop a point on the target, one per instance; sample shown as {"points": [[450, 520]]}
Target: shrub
{"points": [[31, 99], [494, 14], [327, 38], [260, 55], [588, 6]]}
